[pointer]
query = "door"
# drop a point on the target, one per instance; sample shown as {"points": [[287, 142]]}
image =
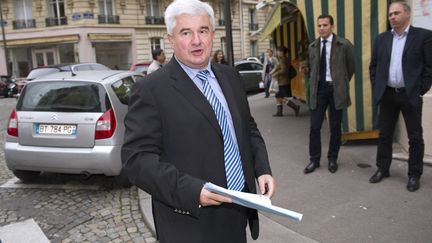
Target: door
{"points": [[45, 57]]}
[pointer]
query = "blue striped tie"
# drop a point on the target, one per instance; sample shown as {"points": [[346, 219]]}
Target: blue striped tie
{"points": [[233, 165]]}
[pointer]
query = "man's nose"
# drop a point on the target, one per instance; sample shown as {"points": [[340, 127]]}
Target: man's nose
{"points": [[196, 39]]}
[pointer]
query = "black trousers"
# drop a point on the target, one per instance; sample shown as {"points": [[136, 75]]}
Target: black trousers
{"points": [[393, 102], [325, 100]]}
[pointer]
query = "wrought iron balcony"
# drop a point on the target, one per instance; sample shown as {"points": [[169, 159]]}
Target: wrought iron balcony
{"points": [[53, 21], [154, 20], [253, 27], [109, 19], [24, 23]]}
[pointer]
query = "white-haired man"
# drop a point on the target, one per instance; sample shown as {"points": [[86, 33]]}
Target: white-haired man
{"points": [[192, 128]]}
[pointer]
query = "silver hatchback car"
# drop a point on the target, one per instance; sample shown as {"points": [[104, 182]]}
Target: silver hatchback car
{"points": [[70, 122]]}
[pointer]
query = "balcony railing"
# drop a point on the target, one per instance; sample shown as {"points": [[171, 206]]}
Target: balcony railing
{"points": [[221, 22], [24, 23], [109, 19], [154, 20], [53, 21], [253, 27]]}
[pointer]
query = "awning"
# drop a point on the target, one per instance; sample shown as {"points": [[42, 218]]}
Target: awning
{"points": [[273, 22], [44, 40], [104, 37]]}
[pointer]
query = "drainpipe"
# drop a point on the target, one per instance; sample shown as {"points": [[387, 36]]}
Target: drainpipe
{"points": [[4, 39], [242, 45]]}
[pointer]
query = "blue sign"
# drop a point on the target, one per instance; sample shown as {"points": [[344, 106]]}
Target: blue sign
{"points": [[76, 16], [88, 15]]}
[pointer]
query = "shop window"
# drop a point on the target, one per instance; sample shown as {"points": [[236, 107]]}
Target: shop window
{"points": [[67, 53], [56, 13], [115, 55]]}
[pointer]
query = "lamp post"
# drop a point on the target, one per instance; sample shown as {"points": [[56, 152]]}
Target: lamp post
{"points": [[228, 32], [4, 38]]}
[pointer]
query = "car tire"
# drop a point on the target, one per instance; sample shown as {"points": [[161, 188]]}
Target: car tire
{"points": [[122, 180], [25, 175]]}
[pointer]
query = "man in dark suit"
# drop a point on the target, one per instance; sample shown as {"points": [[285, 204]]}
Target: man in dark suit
{"points": [[331, 60], [179, 122], [401, 72]]}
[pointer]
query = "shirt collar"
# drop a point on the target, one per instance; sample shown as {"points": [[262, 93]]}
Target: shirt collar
{"points": [[404, 33], [329, 39], [192, 72]]}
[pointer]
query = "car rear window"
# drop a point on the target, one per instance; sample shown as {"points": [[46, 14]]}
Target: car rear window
{"points": [[64, 96]]}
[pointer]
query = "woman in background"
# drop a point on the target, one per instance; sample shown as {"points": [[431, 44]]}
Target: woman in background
{"points": [[219, 57]]}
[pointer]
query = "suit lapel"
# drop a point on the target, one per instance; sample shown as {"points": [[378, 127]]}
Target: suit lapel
{"points": [[388, 43], [409, 39], [181, 81]]}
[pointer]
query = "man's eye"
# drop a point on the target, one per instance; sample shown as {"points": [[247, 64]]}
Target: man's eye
{"points": [[185, 33]]}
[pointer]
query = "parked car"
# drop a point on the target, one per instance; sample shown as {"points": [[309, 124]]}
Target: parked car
{"points": [[8, 87], [140, 67], [251, 73], [256, 59], [70, 123], [67, 67]]}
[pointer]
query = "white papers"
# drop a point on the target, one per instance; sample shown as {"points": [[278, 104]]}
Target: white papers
{"points": [[259, 202]]}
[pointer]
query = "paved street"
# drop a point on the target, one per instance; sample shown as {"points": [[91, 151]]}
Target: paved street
{"points": [[341, 207], [71, 208]]}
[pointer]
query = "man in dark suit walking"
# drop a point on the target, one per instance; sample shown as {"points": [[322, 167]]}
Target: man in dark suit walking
{"points": [[331, 60], [401, 72], [189, 124]]}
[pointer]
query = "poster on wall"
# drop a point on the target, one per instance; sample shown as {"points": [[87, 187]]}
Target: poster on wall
{"points": [[422, 13]]}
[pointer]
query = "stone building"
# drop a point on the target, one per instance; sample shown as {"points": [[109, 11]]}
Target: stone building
{"points": [[116, 33]]}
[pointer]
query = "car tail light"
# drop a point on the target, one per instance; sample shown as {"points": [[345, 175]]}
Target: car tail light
{"points": [[106, 125], [12, 128]]}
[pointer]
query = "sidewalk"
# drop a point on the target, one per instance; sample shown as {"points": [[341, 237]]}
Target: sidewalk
{"points": [[340, 207]]}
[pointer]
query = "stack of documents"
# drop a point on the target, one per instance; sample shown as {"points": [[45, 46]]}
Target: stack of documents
{"points": [[258, 202]]}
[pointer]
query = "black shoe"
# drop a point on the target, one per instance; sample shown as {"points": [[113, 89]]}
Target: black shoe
{"points": [[333, 166], [378, 176], [311, 167], [413, 184], [295, 107]]}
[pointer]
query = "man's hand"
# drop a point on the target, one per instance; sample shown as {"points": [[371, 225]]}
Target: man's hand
{"points": [[208, 198], [266, 185]]}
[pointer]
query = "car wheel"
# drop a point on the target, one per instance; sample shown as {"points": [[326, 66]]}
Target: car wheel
{"points": [[25, 175], [122, 180]]}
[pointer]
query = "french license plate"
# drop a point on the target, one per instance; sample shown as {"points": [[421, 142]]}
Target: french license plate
{"points": [[60, 129]]}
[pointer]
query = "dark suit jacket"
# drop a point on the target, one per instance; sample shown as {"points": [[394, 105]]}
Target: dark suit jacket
{"points": [[173, 145], [416, 64]]}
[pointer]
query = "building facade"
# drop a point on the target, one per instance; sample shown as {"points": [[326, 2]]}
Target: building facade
{"points": [[116, 33]]}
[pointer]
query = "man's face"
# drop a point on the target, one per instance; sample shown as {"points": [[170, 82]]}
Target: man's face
{"points": [[192, 40], [398, 17], [161, 57], [324, 28], [269, 53]]}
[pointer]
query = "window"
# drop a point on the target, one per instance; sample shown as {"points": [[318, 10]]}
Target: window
{"points": [[152, 7], [153, 15], [223, 44], [253, 19], [221, 13], [156, 42], [106, 12], [122, 89], [56, 13], [253, 49], [67, 53], [23, 15]]}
